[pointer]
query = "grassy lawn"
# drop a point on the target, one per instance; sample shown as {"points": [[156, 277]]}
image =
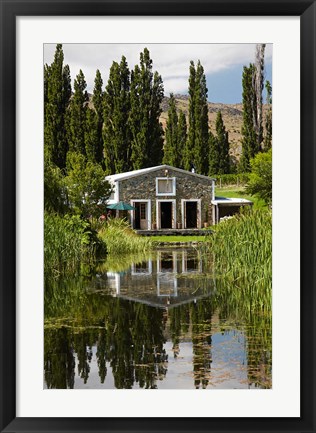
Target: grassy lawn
{"points": [[239, 192], [178, 238]]}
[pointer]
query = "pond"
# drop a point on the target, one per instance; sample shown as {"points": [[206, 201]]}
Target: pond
{"points": [[155, 321]]}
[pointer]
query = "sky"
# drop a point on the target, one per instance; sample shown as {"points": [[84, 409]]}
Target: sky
{"points": [[222, 63]]}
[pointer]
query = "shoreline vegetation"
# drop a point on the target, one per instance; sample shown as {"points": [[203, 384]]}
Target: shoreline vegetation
{"points": [[242, 254]]}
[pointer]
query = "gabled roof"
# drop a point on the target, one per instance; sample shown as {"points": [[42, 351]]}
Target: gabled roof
{"points": [[120, 176]]}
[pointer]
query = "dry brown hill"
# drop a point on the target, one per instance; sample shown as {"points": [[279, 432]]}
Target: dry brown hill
{"points": [[232, 117]]}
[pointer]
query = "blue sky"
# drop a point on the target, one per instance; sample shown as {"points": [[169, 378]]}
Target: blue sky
{"points": [[226, 86], [223, 64]]}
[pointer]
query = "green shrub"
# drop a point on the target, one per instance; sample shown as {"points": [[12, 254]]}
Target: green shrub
{"points": [[242, 251], [231, 179], [119, 237], [68, 241]]}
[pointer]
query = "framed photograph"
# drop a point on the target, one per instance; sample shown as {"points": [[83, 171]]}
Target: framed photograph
{"points": [[153, 278]]}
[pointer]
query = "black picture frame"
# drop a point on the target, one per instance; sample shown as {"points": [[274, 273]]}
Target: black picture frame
{"points": [[10, 9]]}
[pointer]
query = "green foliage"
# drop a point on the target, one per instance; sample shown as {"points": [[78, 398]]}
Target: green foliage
{"points": [[182, 137], [94, 124], [76, 116], [196, 152], [116, 111], [242, 249], [119, 238], [249, 141], [68, 241], [54, 188], [86, 186], [213, 155], [92, 137], [146, 96], [219, 160], [231, 179], [57, 92], [260, 178], [172, 150]]}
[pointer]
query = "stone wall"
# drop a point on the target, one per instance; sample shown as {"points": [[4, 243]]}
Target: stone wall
{"points": [[188, 186]]}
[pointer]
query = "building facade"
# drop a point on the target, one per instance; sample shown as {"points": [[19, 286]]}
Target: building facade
{"points": [[165, 197]]}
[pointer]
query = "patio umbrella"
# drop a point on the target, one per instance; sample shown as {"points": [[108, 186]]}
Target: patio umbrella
{"points": [[120, 206]]}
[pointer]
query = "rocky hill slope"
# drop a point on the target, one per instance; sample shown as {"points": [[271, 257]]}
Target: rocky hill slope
{"points": [[232, 117]]}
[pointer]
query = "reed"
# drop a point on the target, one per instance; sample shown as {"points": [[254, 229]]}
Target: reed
{"points": [[242, 254], [68, 242], [120, 238]]}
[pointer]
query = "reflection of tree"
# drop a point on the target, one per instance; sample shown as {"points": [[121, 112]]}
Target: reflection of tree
{"points": [[59, 361], [201, 313], [198, 315], [259, 351], [101, 354], [257, 326], [82, 342], [128, 335]]}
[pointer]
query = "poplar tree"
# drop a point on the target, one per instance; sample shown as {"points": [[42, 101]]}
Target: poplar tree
{"points": [[76, 120], [188, 157], [92, 138], [182, 137], [249, 140], [57, 92], [252, 129], [97, 99], [268, 121], [94, 124], [146, 130], [198, 137], [223, 145], [116, 110], [213, 155], [171, 148]]}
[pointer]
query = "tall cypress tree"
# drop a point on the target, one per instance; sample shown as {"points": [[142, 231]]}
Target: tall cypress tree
{"points": [[146, 97], [201, 122], [268, 122], [182, 137], [92, 138], [249, 140], [188, 156], [198, 137], [213, 155], [94, 124], [97, 99], [223, 145], [116, 109], [57, 91], [252, 129], [171, 150], [76, 120]]}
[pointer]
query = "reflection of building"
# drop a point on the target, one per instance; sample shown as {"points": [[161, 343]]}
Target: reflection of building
{"points": [[170, 279]]}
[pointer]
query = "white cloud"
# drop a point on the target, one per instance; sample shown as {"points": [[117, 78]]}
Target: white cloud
{"points": [[170, 60]]}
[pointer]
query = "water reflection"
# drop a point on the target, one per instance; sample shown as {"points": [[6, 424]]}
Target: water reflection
{"points": [[164, 280], [151, 323]]}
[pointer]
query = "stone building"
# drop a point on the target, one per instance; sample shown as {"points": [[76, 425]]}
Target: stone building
{"points": [[165, 197]]}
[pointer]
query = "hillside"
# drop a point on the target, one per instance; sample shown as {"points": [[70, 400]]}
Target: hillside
{"points": [[232, 117]]}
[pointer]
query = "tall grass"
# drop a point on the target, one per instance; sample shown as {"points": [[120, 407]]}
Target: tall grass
{"points": [[68, 242], [242, 252], [119, 238]]}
